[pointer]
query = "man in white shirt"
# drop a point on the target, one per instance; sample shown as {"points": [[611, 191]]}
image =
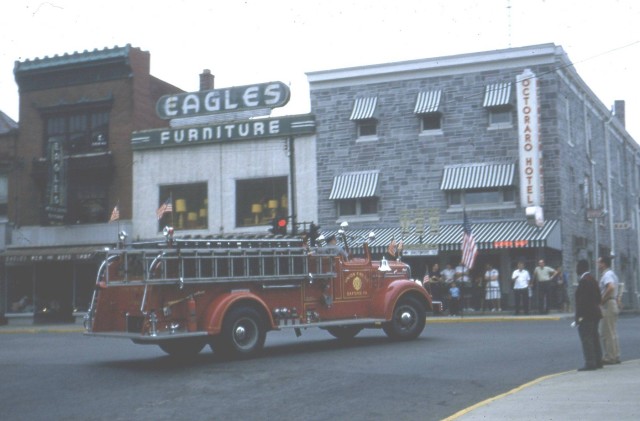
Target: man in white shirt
{"points": [[521, 280], [608, 331]]}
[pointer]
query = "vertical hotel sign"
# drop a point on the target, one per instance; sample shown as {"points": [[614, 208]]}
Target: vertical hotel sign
{"points": [[56, 206], [529, 139]]}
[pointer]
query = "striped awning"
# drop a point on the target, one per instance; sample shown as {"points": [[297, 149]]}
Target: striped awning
{"points": [[354, 185], [428, 102], [448, 237], [497, 94], [477, 176], [364, 108]]}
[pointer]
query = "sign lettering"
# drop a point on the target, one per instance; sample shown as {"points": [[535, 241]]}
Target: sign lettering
{"points": [[217, 101], [224, 132], [529, 140]]}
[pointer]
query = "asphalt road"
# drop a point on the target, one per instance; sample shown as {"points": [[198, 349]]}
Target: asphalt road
{"points": [[57, 376]]}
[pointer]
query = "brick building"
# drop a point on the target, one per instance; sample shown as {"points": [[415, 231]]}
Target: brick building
{"points": [[408, 147], [77, 112]]}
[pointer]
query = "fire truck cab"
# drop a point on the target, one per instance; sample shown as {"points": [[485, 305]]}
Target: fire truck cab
{"points": [[228, 292]]}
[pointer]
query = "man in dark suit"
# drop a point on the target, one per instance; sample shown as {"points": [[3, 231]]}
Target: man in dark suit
{"points": [[588, 315]]}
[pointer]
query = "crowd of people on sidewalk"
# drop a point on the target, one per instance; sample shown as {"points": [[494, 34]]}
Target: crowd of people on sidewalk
{"points": [[460, 290]]}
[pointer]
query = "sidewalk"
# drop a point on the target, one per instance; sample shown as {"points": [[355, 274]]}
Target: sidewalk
{"points": [[606, 394]]}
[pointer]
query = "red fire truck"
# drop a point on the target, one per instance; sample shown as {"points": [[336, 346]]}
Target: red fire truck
{"points": [[228, 292]]}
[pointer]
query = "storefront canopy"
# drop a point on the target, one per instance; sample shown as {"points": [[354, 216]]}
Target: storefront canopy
{"points": [[448, 237], [21, 256]]}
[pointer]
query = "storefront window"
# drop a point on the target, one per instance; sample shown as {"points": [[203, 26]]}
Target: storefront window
{"points": [[188, 206], [259, 201]]}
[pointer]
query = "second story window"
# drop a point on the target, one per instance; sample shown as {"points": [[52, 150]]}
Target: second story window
{"points": [[479, 185], [356, 194], [82, 131]]}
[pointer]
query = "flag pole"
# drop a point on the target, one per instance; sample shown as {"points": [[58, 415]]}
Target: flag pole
{"points": [[172, 212]]}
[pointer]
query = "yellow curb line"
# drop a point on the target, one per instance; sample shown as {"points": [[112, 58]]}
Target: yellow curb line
{"points": [[503, 395]]}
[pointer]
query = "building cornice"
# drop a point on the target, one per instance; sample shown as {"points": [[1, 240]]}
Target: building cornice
{"points": [[438, 66]]}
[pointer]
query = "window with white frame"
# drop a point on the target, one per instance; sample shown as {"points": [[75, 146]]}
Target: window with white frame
{"points": [[431, 122], [482, 197], [367, 128], [365, 206]]}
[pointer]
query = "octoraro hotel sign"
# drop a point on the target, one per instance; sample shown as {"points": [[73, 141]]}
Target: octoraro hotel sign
{"points": [[529, 139]]}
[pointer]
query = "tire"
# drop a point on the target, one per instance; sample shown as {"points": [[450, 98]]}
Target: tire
{"points": [[344, 332], [408, 320], [243, 333], [181, 348]]}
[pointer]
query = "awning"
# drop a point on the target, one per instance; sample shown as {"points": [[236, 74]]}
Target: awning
{"points": [[477, 176], [364, 108], [355, 185], [448, 237], [428, 102], [19, 256], [497, 94]]}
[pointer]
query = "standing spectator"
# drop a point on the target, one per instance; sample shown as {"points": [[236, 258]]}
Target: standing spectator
{"points": [[447, 275], [588, 316], [492, 295], [610, 310], [436, 282], [562, 289], [454, 299], [521, 280], [464, 282], [542, 279]]}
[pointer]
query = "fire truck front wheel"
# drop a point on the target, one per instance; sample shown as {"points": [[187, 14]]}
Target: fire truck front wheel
{"points": [[243, 333], [409, 318]]}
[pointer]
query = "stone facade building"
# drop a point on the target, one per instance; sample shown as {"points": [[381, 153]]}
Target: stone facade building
{"points": [[408, 147]]}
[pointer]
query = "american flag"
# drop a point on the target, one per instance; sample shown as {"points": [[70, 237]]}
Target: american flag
{"points": [[469, 247], [392, 248], [164, 208], [115, 214]]}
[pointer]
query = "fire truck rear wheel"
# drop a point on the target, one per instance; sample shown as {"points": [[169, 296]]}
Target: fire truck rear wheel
{"points": [[182, 347], [344, 332], [243, 333], [409, 318]]}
